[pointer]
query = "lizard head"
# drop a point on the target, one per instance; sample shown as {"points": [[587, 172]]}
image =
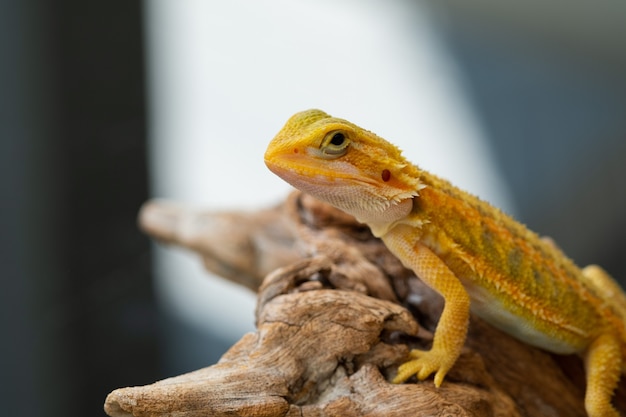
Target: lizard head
{"points": [[342, 164]]}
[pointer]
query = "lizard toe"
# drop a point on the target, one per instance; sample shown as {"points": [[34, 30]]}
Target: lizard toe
{"points": [[423, 364]]}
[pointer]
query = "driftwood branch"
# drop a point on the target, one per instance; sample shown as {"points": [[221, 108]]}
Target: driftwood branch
{"points": [[336, 315]]}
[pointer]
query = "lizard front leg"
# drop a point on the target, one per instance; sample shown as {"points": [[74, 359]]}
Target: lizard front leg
{"points": [[452, 328]]}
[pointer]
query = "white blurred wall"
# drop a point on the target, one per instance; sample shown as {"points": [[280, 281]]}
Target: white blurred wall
{"points": [[224, 77]]}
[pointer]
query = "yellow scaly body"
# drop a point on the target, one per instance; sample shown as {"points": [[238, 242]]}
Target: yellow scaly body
{"points": [[465, 249]]}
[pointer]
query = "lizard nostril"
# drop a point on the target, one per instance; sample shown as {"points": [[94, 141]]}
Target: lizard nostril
{"points": [[386, 175]]}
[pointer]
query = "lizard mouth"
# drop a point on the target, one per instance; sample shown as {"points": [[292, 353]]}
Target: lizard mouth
{"points": [[292, 170]]}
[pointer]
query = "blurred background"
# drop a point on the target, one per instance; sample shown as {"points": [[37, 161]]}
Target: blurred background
{"points": [[106, 104]]}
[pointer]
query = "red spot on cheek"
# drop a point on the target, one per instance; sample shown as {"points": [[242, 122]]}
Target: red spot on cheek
{"points": [[386, 175]]}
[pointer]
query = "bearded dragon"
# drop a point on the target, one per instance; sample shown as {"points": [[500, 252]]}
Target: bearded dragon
{"points": [[468, 251]]}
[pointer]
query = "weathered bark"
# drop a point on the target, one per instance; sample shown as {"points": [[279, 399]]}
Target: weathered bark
{"points": [[332, 328]]}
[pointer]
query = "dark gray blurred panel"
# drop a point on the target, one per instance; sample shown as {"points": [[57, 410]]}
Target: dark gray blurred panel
{"points": [[549, 85], [77, 311], [185, 347], [34, 362], [112, 328], [593, 31]]}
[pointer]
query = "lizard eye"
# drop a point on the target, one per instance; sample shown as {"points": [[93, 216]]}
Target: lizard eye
{"points": [[337, 139], [335, 144]]}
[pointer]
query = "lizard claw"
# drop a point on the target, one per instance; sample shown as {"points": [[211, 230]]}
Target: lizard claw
{"points": [[423, 364]]}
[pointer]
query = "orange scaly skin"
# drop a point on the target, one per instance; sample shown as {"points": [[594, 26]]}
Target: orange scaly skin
{"points": [[468, 251]]}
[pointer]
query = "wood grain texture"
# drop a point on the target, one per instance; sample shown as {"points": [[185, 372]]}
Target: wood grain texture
{"points": [[335, 317]]}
